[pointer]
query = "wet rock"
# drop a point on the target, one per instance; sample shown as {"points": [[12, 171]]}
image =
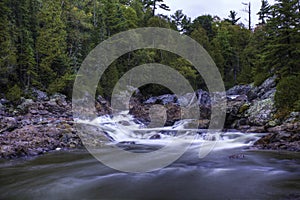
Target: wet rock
{"points": [[203, 98], [203, 124], [155, 137], [237, 156], [281, 140], [256, 129]]}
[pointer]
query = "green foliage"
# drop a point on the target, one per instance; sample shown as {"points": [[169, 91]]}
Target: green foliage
{"points": [[109, 80], [8, 56], [51, 43], [259, 78], [14, 94], [43, 44], [201, 37], [288, 93]]}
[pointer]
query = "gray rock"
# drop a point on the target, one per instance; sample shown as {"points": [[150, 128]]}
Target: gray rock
{"points": [[239, 90], [267, 89], [163, 99], [26, 103], [4, 101], [60, 99], [203, 97], [8, 124], [40, 95], [261, 112]]}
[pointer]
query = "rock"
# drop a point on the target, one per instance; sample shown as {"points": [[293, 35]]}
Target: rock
{"points": [[269, 94], [294, 116], [187, 99], [164, 99], [60, 99], [101, 100], [7, 124], [261, 112], [102, 106], [273, 123], [237, 156], [34, 112], [155, 137], [204, 98], [203, 124], [256, 129], [233, 112], [40, 95], [280, 141], [4, 101], [267, 89], [239, 90], [26, 103]]}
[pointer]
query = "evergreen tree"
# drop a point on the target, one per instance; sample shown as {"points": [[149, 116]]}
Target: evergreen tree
{"points": [[177, 18], [264, 11], [204, 21], [24, 13], [51, 43], [233, 17], [8, 56], [154, 4], [282, 51]]}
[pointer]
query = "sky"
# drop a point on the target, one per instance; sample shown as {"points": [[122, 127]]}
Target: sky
{"points": [[221, 8]]}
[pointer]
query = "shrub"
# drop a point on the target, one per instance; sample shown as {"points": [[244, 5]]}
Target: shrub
{"points": [[260, 78], [14, 94], [288, 93]]}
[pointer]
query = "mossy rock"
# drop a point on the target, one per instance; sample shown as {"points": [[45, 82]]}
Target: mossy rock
{"points": [[243, 108]]}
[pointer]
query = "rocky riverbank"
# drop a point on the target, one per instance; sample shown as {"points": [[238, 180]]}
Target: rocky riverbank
{"points": [[46, 124], [250, 109], [38, 126]]}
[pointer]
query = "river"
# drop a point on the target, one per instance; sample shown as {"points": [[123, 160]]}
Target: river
{"points": [[232, 170]]}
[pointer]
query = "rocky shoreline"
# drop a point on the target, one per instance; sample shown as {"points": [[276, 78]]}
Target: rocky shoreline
{"points": [[46, 124], [38, 126], [250, 109]]}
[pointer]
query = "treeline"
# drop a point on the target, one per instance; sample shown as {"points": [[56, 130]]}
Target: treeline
{"points": [[43, 44]]}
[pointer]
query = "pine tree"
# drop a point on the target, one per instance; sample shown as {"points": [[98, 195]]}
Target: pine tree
{"points": [[154, 4], [24, 13], [177, 18], [51, 43], [113, 19], [264, 11], [282, 51], [8, 57], [233, 17]]}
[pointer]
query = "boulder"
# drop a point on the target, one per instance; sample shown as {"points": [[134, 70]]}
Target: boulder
{"points": [[39, 95], [7, 124], [261, 112]]}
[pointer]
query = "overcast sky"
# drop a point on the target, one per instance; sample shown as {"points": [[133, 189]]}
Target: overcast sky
{"points": [[221, 8]]}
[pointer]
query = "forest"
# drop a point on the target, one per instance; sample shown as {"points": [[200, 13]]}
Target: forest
{"points": [[43, 44]]}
